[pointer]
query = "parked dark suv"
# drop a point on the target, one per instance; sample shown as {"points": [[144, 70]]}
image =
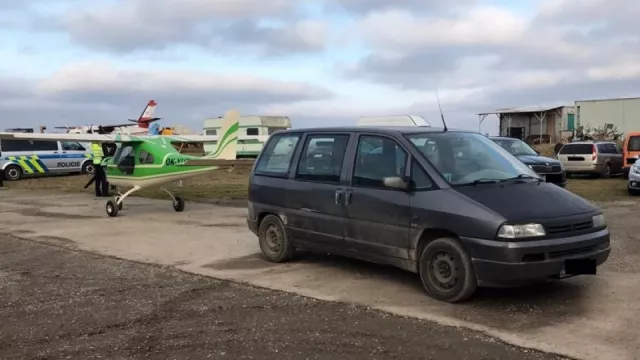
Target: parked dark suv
{"points": [[452, 206], [549, 169]]}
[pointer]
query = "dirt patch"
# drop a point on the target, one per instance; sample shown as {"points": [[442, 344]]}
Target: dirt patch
{"points": [[71, 304]]}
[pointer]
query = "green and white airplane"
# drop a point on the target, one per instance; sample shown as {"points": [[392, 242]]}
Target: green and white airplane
{"points": [[149, 161]]}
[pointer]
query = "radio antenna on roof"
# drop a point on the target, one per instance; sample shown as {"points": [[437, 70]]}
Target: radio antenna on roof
{"points": [[441, 113]]}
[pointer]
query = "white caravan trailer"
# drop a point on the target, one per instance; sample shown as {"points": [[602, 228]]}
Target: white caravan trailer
{"points": [[254, 132], [396, 120]]}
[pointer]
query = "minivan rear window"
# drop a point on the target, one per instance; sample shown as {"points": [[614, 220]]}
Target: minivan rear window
{"points": [[276, 157], [634, 143], [577, 149]]}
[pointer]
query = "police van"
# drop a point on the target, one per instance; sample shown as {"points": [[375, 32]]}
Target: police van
{"points": [[19, 158]]}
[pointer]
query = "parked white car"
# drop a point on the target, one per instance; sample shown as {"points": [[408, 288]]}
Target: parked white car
{"points": [[633, 184]]}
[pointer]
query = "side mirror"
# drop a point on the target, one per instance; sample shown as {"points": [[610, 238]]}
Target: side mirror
{"points": [[396, 182]]}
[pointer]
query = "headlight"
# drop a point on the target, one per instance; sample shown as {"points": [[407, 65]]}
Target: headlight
{"points": [[521, 231], [530, 167], [598, 221], [635, 170]]}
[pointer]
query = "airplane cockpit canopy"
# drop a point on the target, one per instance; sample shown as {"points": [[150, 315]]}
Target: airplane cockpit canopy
{"points": [[125, 159]]}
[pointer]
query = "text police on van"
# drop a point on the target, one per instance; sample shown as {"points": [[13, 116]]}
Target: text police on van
{"points": [[69, 164]]}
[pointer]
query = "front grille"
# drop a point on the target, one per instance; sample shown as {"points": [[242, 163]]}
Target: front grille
{"points": [[543, 169], [568, 228], [555, 178]]}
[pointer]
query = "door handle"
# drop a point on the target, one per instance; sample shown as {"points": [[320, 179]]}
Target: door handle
{"points": [[347, 197], [338, 196]]}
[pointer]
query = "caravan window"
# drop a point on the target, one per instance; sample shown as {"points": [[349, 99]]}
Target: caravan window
{"points": [[211, 132], [253, 131]]}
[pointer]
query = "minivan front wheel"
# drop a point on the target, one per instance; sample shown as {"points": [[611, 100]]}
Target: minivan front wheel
{"points": [[13, 172], [274, 242], [446, 271]]}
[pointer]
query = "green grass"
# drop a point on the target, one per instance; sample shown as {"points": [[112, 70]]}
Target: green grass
{"points": [[222, 186], [216, 186]]}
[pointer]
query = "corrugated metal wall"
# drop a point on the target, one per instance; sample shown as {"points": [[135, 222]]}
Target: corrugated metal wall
{"points": [[623, 113]]}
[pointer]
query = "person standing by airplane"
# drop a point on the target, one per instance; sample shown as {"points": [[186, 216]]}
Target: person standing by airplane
{"points": [[102, 187]]}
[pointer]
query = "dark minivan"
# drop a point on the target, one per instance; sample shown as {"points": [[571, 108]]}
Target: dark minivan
{"points": [[452, 206], [549, 169]]}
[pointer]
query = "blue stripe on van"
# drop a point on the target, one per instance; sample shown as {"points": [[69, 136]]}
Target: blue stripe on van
{"points": [[42, 165]]}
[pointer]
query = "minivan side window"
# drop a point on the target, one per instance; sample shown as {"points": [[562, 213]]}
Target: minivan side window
{"points": [[43, 145], [322, 158], [72, 146], [29, 145], [377, 157], [277, 154], [602, 149], [421, 181]]}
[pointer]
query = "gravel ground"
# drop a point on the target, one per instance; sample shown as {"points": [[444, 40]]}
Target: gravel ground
{"points": [[57, 303]]}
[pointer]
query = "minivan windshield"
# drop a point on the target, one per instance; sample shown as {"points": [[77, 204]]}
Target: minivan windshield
{"points": [[516, 147], [634, 143], [468, 158]]}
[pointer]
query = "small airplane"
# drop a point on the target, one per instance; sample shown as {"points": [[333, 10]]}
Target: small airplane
{"points": [[153, 160], [140, 126]]}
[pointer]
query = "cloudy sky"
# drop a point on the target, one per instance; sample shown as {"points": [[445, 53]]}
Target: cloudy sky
{"points": [[321, 62]]}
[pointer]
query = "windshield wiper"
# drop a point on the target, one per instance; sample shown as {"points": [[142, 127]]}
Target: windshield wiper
{"points": [[482, 181], [525, 176]]}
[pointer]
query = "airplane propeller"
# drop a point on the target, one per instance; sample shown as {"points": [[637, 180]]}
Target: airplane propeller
{"points": [[145, 120]]}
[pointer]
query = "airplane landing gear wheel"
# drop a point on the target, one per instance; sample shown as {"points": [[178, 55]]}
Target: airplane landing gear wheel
{"points": [[112, 208], [178, 203]]}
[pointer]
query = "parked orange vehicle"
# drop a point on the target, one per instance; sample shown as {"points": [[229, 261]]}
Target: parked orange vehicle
{"points": [[630, 151]]}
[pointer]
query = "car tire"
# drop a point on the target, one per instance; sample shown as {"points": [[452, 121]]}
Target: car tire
{"points": [[446, 271], [275, 245], [88, 168], [13, 172], [606, 171]]}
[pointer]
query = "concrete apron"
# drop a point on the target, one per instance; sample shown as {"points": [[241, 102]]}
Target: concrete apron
{"points": [[589, 317]]}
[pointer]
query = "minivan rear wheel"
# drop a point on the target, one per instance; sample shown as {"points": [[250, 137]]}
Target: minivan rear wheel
{"points": [[446, 270], [606, 171], [274, 242]]}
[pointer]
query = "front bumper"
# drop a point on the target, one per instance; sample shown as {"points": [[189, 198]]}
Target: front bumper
{"points": [[583, 169], [502, 263], [634, 181], [559, 179]]}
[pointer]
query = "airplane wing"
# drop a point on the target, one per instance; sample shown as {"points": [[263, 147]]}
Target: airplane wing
{"points": [[188, 138], [70, 137], [217, 162]]}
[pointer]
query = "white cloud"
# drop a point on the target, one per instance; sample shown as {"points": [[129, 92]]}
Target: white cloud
{"points": [[101, 92], [478, 56]]}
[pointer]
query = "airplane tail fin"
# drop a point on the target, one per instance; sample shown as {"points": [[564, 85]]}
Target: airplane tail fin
{"points": [[147, 115], [228, 139]]}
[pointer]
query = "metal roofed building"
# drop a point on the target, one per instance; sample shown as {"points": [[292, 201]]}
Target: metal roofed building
{"points": [[623, 113], [534, 123]]}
